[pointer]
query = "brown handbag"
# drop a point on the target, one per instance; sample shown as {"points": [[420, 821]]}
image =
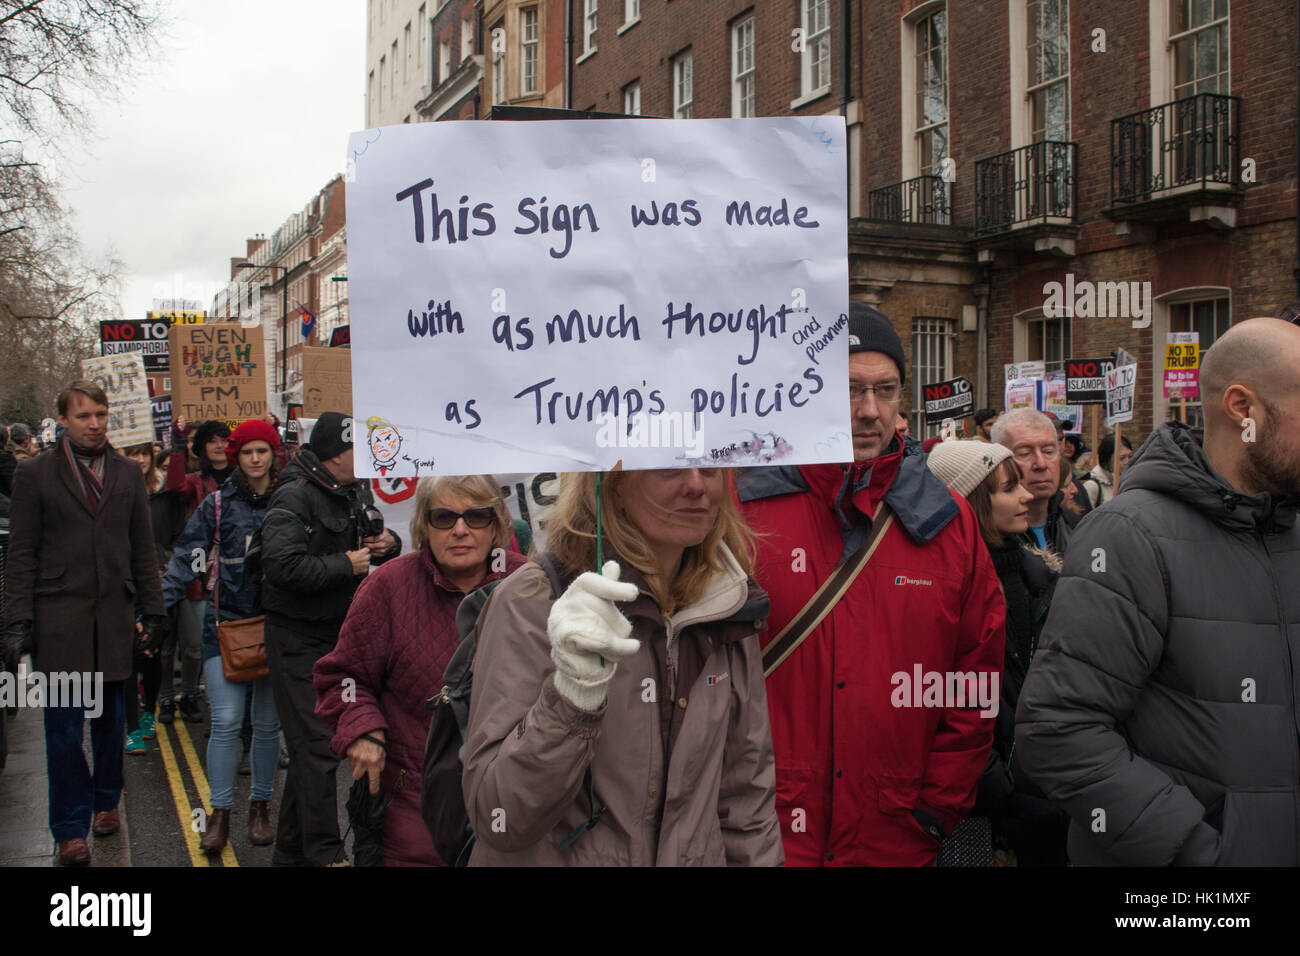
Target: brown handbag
{"points": [[242, 642]]}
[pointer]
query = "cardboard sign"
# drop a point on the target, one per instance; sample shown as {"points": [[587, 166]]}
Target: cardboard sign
{"points": [[130, 417], [1024, 370], [219, 372], [327, 381], [122, 337], [668, 294], [951, 399], [1085, 380], [1182, 365], [1120, 383], [162, 417]]}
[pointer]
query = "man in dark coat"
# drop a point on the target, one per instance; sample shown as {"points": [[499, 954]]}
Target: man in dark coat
{"points": [[81, 565], [1160, 712], [317, 546]]}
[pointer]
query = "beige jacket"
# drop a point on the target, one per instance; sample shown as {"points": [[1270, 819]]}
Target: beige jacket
{"points": [[680, 752]]}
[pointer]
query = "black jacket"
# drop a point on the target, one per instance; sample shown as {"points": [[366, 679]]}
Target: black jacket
{"points": [[167, 514], [312, 519], [7, 465], [1160, 711], [1057, 530]]}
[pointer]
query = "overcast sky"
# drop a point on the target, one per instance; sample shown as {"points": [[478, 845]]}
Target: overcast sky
{"points": [[241, 119]]}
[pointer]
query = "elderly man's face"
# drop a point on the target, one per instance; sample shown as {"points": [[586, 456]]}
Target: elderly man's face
{"points": [[1037, 454]]}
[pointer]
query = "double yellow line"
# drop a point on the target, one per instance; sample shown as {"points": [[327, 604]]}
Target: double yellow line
{"points": [[177, 784]]}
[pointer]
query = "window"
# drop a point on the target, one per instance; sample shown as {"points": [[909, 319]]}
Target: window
{"points": [[1048, 341], [931, 362], [444, 60], [406, 66], [1209, 318], [1199, 35], [1049, 70], [932, 92], [589, 28], [682, 86], [528, 42], [371, 103], [816, 61], [742, 68], [632, 99], [423, 21], [631, 11], [393, 59], [466, 38], [498, 65], [383, 80]]}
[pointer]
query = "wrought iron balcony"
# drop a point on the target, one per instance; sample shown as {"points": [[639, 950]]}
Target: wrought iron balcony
{"points": [[923, 199], [1032, 185], [1178, 146]]}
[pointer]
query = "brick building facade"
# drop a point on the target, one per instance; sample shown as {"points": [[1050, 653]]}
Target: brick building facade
{"points": [[1000, 145]]}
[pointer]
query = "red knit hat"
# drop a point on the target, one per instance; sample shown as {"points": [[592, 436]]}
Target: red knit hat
{"points": [[252, 430]]}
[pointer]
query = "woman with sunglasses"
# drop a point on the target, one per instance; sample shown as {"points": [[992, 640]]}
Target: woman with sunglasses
{"points": [[625, 723], [399, 634]]}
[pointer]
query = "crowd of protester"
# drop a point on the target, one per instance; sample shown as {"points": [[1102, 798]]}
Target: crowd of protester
{"points": [[1005, 649]]}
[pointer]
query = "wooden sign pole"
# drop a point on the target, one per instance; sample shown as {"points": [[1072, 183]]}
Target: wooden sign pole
{"points": [[1093, 432], [1115, 464]]}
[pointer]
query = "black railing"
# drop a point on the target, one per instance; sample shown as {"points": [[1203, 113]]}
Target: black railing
{"points": [[1192, 141], [923, 199], [1034, 183]]}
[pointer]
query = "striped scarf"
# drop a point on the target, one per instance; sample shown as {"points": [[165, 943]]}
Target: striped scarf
{"points": [[89, 471]]}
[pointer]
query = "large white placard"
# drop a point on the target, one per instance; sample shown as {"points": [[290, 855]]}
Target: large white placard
{"points": [[130, 415], [559, 296]]}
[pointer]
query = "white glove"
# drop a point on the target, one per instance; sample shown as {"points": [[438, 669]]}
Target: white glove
{"points": [[589, 635]]}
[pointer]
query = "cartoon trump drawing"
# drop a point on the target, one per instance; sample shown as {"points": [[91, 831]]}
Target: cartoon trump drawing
{"points": [[384, 441]]}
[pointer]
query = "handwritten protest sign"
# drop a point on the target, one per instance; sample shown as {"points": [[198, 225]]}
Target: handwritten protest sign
{"points": [[130, 416], [1120, 383], [1182, 365], [327, 381], [557, 296], [218, 371]]}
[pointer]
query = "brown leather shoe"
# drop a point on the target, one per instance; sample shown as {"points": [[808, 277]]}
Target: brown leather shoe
{"points": [[74, 853], [217, 833], [106, 823], [259, 824]]}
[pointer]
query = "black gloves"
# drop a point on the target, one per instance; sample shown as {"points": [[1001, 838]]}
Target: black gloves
{"points": [[155, 632], [16, 642]]}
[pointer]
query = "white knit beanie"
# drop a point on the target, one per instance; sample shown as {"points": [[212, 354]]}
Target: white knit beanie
{"points": [[962, 465]]}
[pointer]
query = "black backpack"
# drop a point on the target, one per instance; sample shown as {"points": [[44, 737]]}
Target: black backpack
{"points": [[442, 801]]}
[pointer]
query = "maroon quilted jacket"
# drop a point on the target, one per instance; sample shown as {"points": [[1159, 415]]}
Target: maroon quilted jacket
{"points": [[395, 643]]}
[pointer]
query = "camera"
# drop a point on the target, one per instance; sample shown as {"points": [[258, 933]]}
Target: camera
{"points": [[372, 522]]}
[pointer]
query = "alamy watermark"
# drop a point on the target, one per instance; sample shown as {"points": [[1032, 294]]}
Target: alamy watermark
{"points": [[1085, 299], [643, 430], [83, 690], [947, 689]]}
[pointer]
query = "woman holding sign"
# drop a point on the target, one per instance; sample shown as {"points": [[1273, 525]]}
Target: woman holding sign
{"points": [[619, 716]]}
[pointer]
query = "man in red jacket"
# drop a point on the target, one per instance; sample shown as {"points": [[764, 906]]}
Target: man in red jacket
{"points": [[883, 717]]}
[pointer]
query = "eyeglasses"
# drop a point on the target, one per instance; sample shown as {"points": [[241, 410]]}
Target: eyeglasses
{"points": [[886, 394], [444, 518]]}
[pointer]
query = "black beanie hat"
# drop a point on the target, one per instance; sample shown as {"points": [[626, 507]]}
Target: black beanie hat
{"points": [[870, 331], [204, 432], [327, 435]]}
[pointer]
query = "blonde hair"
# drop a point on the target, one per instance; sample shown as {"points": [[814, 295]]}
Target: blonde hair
{"points": [[483, 490], [571, 537]]}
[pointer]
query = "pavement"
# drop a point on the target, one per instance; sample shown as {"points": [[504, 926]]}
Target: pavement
{"points": [[164, 790]]}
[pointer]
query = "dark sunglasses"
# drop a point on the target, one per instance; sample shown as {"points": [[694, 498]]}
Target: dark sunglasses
{"points": [[444, 518]]}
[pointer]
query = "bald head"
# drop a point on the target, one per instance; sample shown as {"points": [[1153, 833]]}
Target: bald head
{"points": [[1261, 354]]}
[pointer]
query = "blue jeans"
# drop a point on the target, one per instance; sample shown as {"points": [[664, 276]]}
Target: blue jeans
{"points": [[74, 790], [227, 702]]}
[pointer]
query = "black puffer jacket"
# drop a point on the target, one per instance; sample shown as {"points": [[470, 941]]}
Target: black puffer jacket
{"points": [[312, 520], [1161, 711]]}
